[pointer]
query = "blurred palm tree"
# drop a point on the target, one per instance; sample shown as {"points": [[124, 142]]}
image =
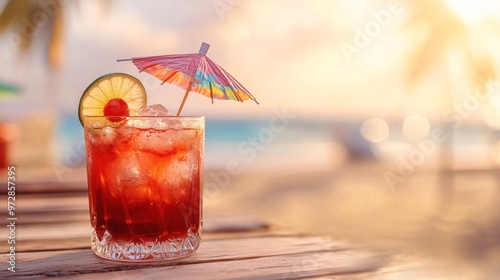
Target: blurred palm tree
{"points": [[442, 40], [23, 20], [443, 35]]}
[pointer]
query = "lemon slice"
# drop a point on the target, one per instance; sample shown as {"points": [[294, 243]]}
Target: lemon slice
{"points": [[114, 94]]}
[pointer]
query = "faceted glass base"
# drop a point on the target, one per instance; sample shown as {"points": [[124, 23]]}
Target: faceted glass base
{"points": [[110, 249]]}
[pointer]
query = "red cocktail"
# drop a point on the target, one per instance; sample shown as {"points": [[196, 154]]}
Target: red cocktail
{"points": [[145, 186]]}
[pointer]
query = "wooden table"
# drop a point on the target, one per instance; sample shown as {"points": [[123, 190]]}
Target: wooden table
{"points": [[52, 234]]}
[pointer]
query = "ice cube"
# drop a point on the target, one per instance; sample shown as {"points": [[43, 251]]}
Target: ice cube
{"points": [[166, 124], [121, 172], [161, 142], [178, 174], [128, 176], [107, 136], [155, 110]]}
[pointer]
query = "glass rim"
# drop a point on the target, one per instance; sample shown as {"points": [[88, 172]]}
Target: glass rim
{"points": [[146, 117]]}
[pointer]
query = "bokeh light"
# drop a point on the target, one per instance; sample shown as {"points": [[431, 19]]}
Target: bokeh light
{"points": [[416, 127], [375, 130]]}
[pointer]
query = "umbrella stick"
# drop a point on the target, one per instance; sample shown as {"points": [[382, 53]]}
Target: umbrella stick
{"points": [[185, 97]]}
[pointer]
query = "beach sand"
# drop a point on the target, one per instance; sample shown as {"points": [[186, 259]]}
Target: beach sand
{"points": [[452, 220]]}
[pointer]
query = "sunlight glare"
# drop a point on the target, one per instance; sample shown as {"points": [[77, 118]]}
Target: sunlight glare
{"points": [[471, 11]]}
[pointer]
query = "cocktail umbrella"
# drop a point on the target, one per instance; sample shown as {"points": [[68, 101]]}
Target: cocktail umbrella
{"points": [[193, 72]]}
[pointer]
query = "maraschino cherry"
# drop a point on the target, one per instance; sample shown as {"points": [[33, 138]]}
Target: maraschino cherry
{"points": [[116, 107]]}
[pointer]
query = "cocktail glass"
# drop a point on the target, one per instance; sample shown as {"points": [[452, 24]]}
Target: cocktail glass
{"points": [[145, 186]]}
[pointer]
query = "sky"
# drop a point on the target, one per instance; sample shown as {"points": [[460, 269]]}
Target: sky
{"points": [[315, 59], [286, 53]]}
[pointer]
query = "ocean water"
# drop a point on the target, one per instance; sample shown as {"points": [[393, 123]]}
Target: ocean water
{"points": [[309, 145], [247, 145]]}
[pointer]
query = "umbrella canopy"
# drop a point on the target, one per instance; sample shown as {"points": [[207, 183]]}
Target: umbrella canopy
{"points": [[194, 72]]}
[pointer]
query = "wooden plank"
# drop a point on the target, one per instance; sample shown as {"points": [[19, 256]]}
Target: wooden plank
{"points": [[48, 180], [420, 267], [268, 256], [70, 243], [43, 231], [290, 266], [73, 208], [50, 187], [45, 216], [83, 242], [48, 203], [35, 186], [54, 217], [48, 222], [72, 235]]}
